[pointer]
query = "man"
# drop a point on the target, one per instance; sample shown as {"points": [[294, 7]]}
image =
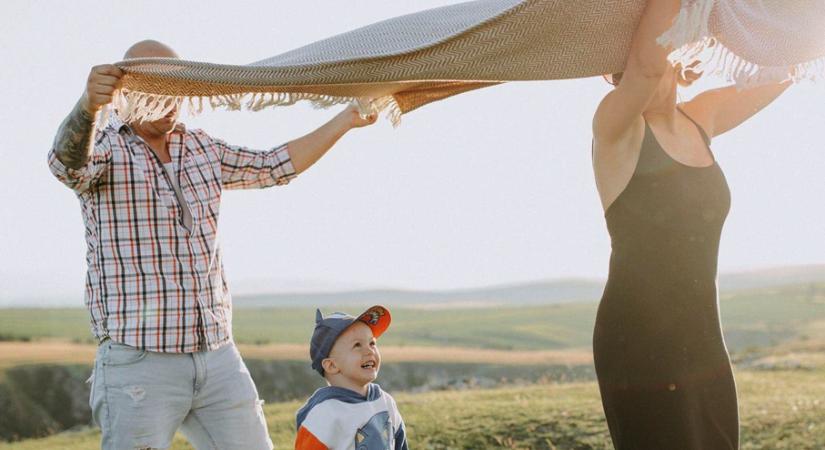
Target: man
{"points": [[150, 197]]}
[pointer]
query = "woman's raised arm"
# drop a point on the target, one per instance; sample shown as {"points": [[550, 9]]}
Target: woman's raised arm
{"points": [[646, 64], [721, 110]]}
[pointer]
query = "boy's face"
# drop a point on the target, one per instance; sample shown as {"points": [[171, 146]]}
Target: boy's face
{"points": [[355, 355]]}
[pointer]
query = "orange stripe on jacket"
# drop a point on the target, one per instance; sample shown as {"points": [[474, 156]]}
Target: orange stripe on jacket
{"points": [[307, 441]]}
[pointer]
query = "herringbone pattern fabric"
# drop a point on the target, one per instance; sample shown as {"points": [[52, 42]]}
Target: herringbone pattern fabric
{"points": [[412, 60]]}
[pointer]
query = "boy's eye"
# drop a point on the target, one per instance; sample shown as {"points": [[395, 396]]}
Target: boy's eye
{"points": [[372, 344]]}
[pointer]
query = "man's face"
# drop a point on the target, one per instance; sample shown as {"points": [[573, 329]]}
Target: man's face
{"points": [[164, 125], [356, 355], [159, 127]]}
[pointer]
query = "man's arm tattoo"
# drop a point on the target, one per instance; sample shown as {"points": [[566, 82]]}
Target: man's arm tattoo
{"points": [[73, 142]]}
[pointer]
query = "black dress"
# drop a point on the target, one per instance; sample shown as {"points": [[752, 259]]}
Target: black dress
{"points": [[664, 371]]}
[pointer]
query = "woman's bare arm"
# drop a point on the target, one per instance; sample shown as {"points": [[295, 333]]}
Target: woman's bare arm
{"points": [[721, 110], [646, 65]]}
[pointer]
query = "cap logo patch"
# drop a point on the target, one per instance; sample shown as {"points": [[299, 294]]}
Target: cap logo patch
{"points": [[373, 316]]}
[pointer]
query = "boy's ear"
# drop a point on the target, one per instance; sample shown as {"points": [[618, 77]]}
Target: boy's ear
{"points": [[329, 366]]}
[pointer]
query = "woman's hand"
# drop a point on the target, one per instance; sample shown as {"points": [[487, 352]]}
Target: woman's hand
{"points": [[355, 119]]}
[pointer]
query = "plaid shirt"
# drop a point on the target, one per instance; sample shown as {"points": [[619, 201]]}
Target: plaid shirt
{"points": [[151, 283]]}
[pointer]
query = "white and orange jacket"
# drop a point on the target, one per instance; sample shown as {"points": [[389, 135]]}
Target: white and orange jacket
{"points": [[335, 418]]}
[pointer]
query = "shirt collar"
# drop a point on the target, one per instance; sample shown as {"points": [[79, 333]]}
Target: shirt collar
{"points": [[119, 125]]}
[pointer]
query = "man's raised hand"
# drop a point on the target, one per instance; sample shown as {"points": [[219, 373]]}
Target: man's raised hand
{"points": [[103, 81], [73, 142]]}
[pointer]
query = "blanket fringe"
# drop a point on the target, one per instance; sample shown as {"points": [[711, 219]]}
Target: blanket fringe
{"points": [[132, 106], [691, 38]]}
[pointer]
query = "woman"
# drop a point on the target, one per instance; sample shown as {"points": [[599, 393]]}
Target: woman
{"points": [[663, 368]]}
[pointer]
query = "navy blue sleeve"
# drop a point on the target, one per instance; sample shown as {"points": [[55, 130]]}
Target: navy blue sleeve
{"points": [[401, 438]]}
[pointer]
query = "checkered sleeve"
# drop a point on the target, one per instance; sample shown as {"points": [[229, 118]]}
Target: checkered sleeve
{"points": [[242, 168], [84, 178]]}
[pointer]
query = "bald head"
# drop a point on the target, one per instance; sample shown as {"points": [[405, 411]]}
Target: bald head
{"points": [[150, 49]]}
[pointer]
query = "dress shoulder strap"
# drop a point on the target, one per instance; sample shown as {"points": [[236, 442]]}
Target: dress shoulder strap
{"points": [[705, 136]]}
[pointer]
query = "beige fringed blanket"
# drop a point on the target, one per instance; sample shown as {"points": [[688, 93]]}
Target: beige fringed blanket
{"points": [[409, 61]]}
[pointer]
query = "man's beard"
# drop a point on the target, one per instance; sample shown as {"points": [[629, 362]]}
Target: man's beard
{"points": [[164, 126]]}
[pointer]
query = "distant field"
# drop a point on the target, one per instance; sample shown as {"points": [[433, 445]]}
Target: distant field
{"points": [[751, 319], [59, 352], [781, 410], [527, 328], [777, 337]]}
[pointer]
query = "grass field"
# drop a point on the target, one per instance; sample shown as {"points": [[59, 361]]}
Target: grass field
{"points": [[751, 319], [61, 352], [780, 410], [544, 327], [777, 338]]}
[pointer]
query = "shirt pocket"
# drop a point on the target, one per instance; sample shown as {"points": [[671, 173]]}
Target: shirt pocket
{"points": [[205, 186]]}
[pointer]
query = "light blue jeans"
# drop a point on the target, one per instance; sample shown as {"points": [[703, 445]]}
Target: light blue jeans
{"points": [[139, 399]]}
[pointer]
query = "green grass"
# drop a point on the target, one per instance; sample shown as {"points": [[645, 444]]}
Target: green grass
{"points": [[766, 317], [780, 410], [45, 323], [529, 328], [751, 319]]}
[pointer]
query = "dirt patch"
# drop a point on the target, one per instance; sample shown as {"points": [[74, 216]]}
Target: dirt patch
{"points": [[56, 352], [45, 352]]}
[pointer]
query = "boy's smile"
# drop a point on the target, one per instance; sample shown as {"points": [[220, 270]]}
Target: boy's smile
{"points": [[355, 359]]}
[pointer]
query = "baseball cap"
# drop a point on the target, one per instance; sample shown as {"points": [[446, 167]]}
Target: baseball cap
{"points": [[327, 330]]}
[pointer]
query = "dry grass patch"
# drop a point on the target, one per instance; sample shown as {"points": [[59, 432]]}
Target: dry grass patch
{"points": [[61, 352]]}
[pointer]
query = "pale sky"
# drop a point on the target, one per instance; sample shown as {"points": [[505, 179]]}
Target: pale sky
{"points": [[490, 187]]}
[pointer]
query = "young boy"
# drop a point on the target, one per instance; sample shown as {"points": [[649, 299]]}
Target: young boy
{"points": [[352, 413]]}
